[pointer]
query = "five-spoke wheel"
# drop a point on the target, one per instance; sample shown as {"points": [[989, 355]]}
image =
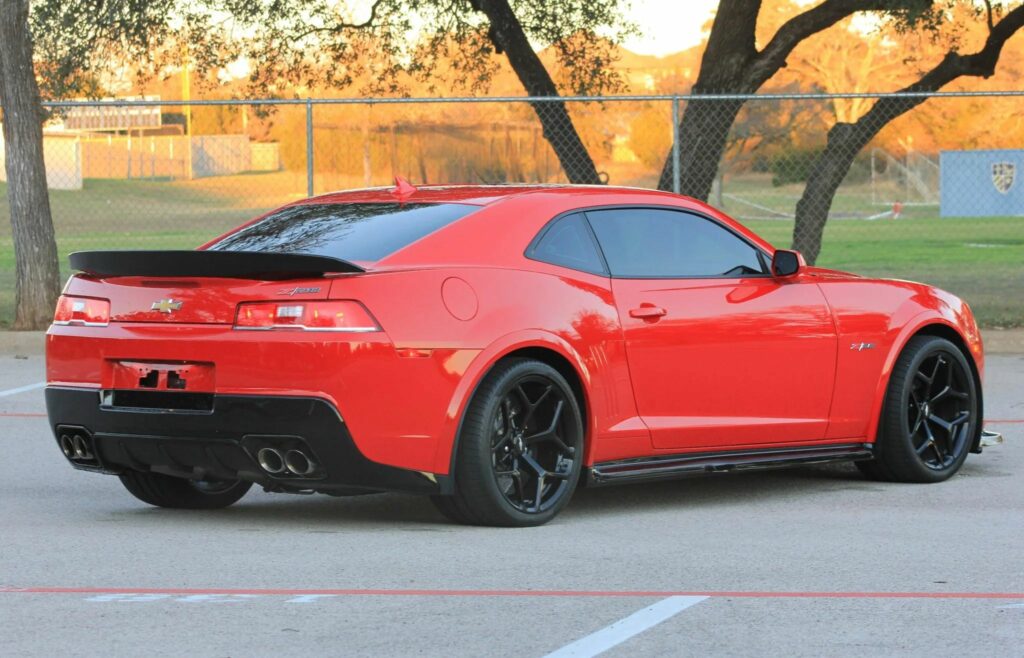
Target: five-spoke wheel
{"points": [[530, 457], [520, 448], [930, 415]]}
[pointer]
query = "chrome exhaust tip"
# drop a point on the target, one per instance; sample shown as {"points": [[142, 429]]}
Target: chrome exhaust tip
{"points": [[67, 446], [298, 463], [81, 448], [270, 460]]}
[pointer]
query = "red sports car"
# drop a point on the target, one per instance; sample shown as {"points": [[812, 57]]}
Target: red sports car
{"points": [[496, 348]]}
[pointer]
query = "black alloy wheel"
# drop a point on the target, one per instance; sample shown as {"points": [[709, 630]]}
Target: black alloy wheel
{"points": [[930, 416], [530, 457], [939, 410], [520, 449]]}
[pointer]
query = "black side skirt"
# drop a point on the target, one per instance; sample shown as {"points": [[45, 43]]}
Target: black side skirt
{"points": [[673, 466]]}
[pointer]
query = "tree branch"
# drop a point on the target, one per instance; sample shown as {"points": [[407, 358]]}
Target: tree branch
{"points": [[981, 64], [800, 27]]}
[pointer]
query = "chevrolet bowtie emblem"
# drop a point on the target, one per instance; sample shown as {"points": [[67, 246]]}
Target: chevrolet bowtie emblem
{"points": [[165, 306]]}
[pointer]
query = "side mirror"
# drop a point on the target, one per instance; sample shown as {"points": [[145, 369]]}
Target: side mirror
{"points": [[786, 263]]}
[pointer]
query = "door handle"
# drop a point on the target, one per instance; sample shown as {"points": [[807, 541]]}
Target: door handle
{"points": [[647, 312]]}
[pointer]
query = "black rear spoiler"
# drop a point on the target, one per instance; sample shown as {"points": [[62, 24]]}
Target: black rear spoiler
{"points": [[223, 264]]}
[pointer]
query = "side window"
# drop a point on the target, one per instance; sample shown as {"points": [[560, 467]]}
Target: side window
{"points": [[656, 243], [568, 243]]}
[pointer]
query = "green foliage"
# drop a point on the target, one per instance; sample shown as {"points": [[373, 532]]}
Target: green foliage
{"points": [[76, 41], [316, 43], [793, 164], [294, 45]]}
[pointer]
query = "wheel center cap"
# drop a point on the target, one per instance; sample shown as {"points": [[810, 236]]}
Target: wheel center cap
{"points": [[517, 442], [926, 410]]}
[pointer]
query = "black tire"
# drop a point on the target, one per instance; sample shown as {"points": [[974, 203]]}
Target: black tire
{"points": [[929, 417], [520, 449], [179, 493]]}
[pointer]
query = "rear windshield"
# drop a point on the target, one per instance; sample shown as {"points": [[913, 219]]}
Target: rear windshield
{"points": [[351, 231]]}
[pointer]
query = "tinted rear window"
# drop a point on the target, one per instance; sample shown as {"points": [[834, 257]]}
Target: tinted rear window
{"points": [[352, 231]]}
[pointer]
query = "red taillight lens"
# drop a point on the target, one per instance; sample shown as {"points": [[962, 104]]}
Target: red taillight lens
{"points": [[306, 316], [84, 311]]}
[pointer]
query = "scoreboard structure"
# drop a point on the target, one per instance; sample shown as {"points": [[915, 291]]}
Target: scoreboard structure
{"points": [[982, 183], [96, 118]]}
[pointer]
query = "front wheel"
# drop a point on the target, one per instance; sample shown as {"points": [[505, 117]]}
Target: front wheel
{"points": [[166, 491], [520, 448], [930, 415]]}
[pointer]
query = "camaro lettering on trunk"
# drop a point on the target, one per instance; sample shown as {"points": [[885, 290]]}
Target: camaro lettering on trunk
{"points": [[298, 291]]}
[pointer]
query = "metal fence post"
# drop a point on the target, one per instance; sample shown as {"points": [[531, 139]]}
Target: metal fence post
{"points": [[675, 144], [309, 147]]}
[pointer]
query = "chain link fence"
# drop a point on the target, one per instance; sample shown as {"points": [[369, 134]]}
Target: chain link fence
{"points": [[936, 196]]}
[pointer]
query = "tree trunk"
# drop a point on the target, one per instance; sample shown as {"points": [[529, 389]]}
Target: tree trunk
{"points": [[846, 140], [732, 64], [508, 36], [703, 132], [35, 248]]}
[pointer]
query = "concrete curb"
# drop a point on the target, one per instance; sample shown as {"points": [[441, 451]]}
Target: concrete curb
{"points": [[1003, 341], [22, 343]]}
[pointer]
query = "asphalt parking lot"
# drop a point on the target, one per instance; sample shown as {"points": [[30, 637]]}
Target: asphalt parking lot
{"points": [[813, 562]]}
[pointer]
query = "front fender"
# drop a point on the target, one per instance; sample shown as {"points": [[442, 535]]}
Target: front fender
{"points": [[945, 317]]}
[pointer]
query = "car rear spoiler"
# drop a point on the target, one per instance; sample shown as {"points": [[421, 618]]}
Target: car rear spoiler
{"points": [[223, 264]]}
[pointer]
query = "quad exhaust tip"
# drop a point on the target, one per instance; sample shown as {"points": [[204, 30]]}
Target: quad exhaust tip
{"points": [[285, 462], [298, 463], [75, 447], [271, 460], [67, 446], [82, 450]]}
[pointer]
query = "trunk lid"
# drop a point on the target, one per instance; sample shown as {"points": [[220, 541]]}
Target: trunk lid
{"points": [[200, 300], [200, 287]]}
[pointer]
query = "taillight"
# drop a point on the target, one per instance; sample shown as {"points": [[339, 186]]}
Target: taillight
{"points": [[83, 311], [305, 316]]}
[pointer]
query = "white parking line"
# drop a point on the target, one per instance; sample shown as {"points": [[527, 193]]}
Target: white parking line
{"points": [[22, 389], [617, 633]]}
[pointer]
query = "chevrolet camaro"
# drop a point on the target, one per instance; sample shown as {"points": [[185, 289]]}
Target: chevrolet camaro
{"points": [[497, 347]]}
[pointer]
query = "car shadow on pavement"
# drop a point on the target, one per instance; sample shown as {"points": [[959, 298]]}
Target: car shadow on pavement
{"points": [[324, 514]]}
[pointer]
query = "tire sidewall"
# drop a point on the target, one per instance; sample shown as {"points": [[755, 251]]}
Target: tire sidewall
{"points": [[475, 445], [897, 443]]}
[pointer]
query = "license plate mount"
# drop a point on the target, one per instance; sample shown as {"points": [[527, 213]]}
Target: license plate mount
{"points": [[154, 376]]}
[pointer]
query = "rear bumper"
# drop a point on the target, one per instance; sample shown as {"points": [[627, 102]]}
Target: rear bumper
{"points": [[224, 441]]}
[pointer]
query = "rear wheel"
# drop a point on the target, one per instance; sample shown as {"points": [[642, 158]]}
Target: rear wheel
{"points": [[929, 417], [520, 448], [166, 491]]}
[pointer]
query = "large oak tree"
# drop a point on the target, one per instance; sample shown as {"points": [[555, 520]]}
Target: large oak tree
{"points": [[734, 65], [847, 138], [35, 251], [311, 42], [450, 43]]}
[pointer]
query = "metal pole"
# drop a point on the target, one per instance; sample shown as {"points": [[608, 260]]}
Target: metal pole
{"points": [[309, 147], [675, 145]]}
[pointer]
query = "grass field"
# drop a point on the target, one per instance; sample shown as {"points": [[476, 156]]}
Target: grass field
{"points": [[981, 259]]}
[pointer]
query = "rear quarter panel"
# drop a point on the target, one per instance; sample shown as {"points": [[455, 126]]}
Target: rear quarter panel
{"points": [[456, 340]]}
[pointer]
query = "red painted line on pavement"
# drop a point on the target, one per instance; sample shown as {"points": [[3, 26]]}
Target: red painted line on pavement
{"points": [[1003, 421], [513, 593], [18, 414]]}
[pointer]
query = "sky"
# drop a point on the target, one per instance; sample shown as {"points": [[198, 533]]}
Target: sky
{"points": [[668, 26]]}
